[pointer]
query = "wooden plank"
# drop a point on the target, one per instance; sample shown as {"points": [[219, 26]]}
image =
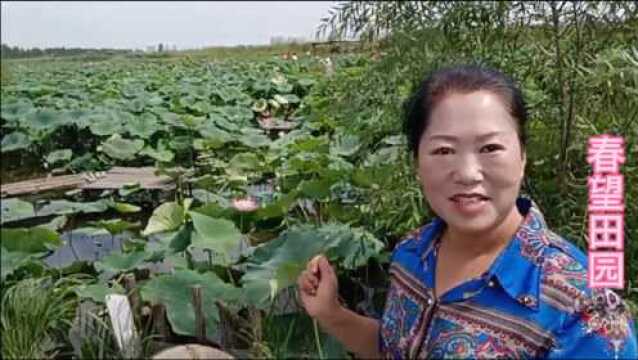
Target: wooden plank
{"points": [[41, 184], [115, 178], [118, 176], [272, 124]]}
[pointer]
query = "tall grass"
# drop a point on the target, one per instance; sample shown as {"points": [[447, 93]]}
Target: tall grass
{"points": [[35, 317]]}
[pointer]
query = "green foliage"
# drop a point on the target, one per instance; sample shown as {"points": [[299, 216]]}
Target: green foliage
{"points": [[15, 209], [35, 317], [174, 291], [29, 240], [219, 235], [166, 217], [278, 263]]}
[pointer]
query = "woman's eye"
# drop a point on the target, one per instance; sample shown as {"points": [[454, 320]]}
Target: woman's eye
{"points": [[442, 151], [491, 148]]}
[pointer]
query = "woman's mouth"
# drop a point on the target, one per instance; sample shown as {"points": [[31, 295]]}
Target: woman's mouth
{"points": [[469, 204]]}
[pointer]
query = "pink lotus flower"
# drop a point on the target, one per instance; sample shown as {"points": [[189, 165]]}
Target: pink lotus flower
{"points": [[247, 204]]}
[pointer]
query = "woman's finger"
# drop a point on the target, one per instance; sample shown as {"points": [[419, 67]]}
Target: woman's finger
{"points": [[313, 266], [306, 283], [325, 267]]}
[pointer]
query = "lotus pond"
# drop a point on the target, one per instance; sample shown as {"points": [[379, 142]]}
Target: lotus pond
{"points": [[309, 189]]}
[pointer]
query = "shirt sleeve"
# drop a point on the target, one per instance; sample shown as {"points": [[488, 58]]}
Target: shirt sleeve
{"points": [[599, 331]]}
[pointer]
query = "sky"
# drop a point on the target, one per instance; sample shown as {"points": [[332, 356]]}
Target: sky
{"points": [[137, 25]]}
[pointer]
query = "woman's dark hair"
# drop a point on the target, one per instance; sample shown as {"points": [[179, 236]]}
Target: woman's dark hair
{"points": [[460, 79]]}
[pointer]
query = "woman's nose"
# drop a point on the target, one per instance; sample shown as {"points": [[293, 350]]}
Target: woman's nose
{"points": [[468, 171]]}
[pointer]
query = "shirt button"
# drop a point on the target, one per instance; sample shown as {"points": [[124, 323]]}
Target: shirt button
{"points": [[526, 300], [430, 301], [491, 283]]}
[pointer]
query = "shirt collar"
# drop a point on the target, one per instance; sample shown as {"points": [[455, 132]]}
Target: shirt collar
{"points": [[517, 268]]}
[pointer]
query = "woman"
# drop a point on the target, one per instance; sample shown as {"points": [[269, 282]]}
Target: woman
{"points": [[486, 278]]}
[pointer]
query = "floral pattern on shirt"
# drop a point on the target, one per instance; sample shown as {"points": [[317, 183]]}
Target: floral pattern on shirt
{"points": [[533, 302]]}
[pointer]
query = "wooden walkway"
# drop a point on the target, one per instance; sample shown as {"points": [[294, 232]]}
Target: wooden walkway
{"points": [[115, 178], [270, 124]]}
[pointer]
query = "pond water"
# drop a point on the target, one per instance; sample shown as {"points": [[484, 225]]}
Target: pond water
{"points": [[82, 246]]}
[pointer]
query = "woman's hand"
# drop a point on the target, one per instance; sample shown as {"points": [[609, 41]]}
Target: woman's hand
{"points": [[318, 288]]}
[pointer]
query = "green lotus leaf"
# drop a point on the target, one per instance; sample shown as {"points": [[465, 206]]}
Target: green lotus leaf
{"points": [[287, 99], [262, 86], [254, 140], [97, 292], [85, 162], [155, 101], [59, 155], [161, 154], [277, 208], [181, 143], [394, 140], [65, 207], [32, 240], [15, 209], [180, 240], [214, 136], [11, 260], [200, 107], [46, 120], [187, 101], [228, 94], [103, 124], [115, 226], [174, 291], [166, 217], [119, 262], [172, 119], [143, 126], [136, 105], [128, 189], [279, 79], [124, 208], [243, 162], [345, 145], [306, 82], [219, 235], [57, 223], [284, 88], [205, 196], [385, 155], [240, 115], [122, 149], [316, 189], [191, 121], [276, 264], [15, 141], [78, 117], [14, 112], [220, 121]]}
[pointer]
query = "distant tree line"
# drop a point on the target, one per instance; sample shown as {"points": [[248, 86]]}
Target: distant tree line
{"points": [[16, 52], [287, 40]]}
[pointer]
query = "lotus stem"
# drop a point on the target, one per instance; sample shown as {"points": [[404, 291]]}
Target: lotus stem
{"points": [[317, 340]]}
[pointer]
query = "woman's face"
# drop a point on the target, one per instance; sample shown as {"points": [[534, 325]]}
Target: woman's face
{"points": [[470, 162]]}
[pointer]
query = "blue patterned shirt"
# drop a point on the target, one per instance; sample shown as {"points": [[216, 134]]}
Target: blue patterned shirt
{"points": [[533, 302]]}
